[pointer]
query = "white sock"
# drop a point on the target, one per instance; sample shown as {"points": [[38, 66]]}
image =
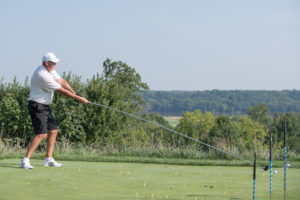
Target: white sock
{"points": [[26, 159]]}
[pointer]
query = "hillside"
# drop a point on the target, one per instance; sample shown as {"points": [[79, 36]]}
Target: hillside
{"points": [[175, 103]]}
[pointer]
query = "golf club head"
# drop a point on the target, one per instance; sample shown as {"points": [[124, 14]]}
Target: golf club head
{"points": [[266, 168]]}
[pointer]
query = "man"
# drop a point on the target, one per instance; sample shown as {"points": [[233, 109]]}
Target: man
{"points": [[44, 82]]}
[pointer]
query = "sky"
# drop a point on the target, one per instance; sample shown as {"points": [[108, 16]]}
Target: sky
{"points": [[172, 44]]}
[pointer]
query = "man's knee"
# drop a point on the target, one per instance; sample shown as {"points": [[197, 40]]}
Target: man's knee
{"points": [[53, 132], [42, 136]]}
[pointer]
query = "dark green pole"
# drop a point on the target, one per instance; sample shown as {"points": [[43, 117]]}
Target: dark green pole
{"points": [[270, 165], [285, 149], [254, 175]]}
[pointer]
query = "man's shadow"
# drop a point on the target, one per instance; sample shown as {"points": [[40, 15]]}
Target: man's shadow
{"points": [[9, 165]]}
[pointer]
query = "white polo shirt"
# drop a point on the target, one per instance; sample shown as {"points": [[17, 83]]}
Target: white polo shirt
{"points": [[43, 85]]}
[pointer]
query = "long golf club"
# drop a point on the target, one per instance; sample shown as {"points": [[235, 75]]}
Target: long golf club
{"points": [[170, 130]]}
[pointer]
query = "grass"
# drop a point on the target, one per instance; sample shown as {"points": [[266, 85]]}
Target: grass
{"points": [[77, 156], [112, 181], [182, 155], [173, 120]]}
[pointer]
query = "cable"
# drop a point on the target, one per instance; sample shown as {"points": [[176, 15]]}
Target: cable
{"points": [[171, 130]]}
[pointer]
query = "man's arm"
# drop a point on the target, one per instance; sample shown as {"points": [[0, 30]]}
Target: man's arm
{"points": [[72, 95], [65, 85]]}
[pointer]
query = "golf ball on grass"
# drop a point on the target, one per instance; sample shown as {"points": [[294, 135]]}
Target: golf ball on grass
{"points": [[275, 172]]}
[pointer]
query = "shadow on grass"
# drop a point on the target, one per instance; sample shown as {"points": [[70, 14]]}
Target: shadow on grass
{"points": [[9, 165], [197, 195], [205, 195]]}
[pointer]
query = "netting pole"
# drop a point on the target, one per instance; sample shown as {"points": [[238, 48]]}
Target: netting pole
{"points": [[254, 175], [270, 165], [285, 149]]}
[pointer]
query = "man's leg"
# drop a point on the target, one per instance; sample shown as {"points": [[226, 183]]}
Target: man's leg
{"points": [[50, 142], [35, 143], [49, 161]]}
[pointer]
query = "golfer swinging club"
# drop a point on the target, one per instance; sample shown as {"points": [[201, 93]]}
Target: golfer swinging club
{"points": [[44, 82]]}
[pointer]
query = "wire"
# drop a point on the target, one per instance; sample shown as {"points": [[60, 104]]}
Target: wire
{"points": [[171, 130]]}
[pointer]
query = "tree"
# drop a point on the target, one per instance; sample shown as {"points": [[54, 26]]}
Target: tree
{"points": [[118, 87], [69, 114], [10, 116], [260, 113], [196, 125], [291, 122], [224, 129], [14, 118], [251, 134], [126, 78]]}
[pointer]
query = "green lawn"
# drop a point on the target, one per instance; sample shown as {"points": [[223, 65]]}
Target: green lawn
{"points": [[96, 180], [173, 122]]}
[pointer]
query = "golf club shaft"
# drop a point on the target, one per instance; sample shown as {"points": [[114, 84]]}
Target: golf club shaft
{"points": [[170, 130]]}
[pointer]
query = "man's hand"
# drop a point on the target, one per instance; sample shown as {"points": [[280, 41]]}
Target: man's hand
{"points": [[72, 95], [83, 100]]}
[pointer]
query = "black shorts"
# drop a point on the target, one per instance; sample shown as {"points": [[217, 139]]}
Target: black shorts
{"points": [[41, 117]]}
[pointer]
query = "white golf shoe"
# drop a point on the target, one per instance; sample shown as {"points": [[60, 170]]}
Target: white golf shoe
{"points": [[25, 163], [51, 162]]}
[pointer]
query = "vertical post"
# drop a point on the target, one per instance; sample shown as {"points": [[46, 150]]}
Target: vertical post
{"points": [[254, 175], [285, 149], [270, 165]]}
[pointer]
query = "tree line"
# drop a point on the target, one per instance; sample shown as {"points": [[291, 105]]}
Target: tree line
{"points": [[120, 86], [228, 102], [249, 132]]}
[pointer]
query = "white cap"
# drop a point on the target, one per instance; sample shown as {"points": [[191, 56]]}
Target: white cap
{"points": [[50, 57]]}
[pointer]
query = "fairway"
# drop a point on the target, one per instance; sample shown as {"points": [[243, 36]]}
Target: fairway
{"points": [[173, 120], [94, 180]]}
